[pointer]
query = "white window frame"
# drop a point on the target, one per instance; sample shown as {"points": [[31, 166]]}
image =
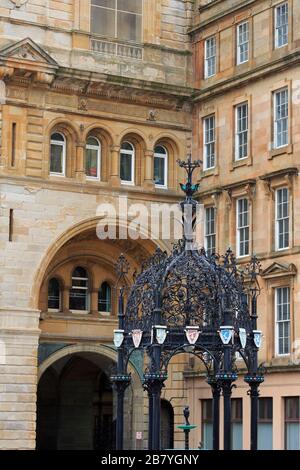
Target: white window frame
{"points": [[277, 322], [240, 228], [86, 289], [278, 220], [208, 143], [165, 158], [55, 310], [278, 120], [277, 26], [62, 144], [240, 43], [208, 221], [98, 148], [211, 58], [102, 312], [239, 133], [132, 153]]}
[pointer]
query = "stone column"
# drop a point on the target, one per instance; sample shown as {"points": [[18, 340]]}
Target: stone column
{"points": [[115, 180], [149, 170], [94, 303], [19, 340], [80, 162], [66, 299]]}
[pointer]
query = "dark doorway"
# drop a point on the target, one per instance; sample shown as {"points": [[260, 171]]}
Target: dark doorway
{"points": [[167, 425], [75, 407]]}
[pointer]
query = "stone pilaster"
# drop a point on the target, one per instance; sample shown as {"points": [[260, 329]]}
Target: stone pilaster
{"points": [[149, 167], [115, 167], [19, 337]]}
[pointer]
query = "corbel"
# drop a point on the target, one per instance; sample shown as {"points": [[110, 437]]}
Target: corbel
{"points": [[6, 72], [228, 198]]}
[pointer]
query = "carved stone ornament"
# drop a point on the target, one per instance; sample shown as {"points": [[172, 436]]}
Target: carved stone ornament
{"points": [[18, 3]]}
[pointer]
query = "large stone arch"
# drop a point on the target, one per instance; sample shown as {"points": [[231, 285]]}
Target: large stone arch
{"points": [[60, 362], [100, 349], [70, 233]]}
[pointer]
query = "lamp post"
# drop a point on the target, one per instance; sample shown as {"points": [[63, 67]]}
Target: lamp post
{"points": [[188, 302], [254, 378]]}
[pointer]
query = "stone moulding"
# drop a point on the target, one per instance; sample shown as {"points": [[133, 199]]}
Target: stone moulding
{"points": [[26, 63], [19, 3]]}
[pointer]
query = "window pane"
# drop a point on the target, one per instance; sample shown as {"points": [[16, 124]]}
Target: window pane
{"points": [[129, 27], [104, 3], [92, 163], [79, 291], [243, 43], [207, 425], [127, 146], [92, 141], [78, 300], [126, 167], [160, 150], [159, 171], [210, 230], [237, 423], [103, 21], [53, 294], [104, 298], [58, 137], [134, 6], [210, 57], [209, 142], [56, 160], [265, 436], [292, 423], [281, 25], [281, 118]]}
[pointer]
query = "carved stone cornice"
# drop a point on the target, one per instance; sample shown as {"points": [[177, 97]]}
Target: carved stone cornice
{"points": [[276, 270], [254, 74], [25, 63], [286, 174], [213, 194], [118, 88], [246, 187]]}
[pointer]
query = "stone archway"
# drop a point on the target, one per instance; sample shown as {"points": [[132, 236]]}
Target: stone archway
{"points": [[76, 402]]}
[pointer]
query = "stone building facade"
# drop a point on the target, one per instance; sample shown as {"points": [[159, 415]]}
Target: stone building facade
{"points": [[86, 87], [69, 94], [246, 127]]}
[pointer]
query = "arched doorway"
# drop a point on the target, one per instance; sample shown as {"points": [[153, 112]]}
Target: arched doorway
{"points": [[75, 405]]}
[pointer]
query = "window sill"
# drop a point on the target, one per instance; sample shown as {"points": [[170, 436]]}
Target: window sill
{"points": [[247, 161], [127, 183], [276, 152], [282, 360], [57, 175], [208, 172], [91, 179], [78, 317]]}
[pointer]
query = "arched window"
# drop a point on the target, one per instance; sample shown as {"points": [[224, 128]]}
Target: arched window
{"points": [[58, 154], [53, 294], [127, 157], [92, 158], [160, 167], [104, 298], [79, 293], [117, 19]]}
